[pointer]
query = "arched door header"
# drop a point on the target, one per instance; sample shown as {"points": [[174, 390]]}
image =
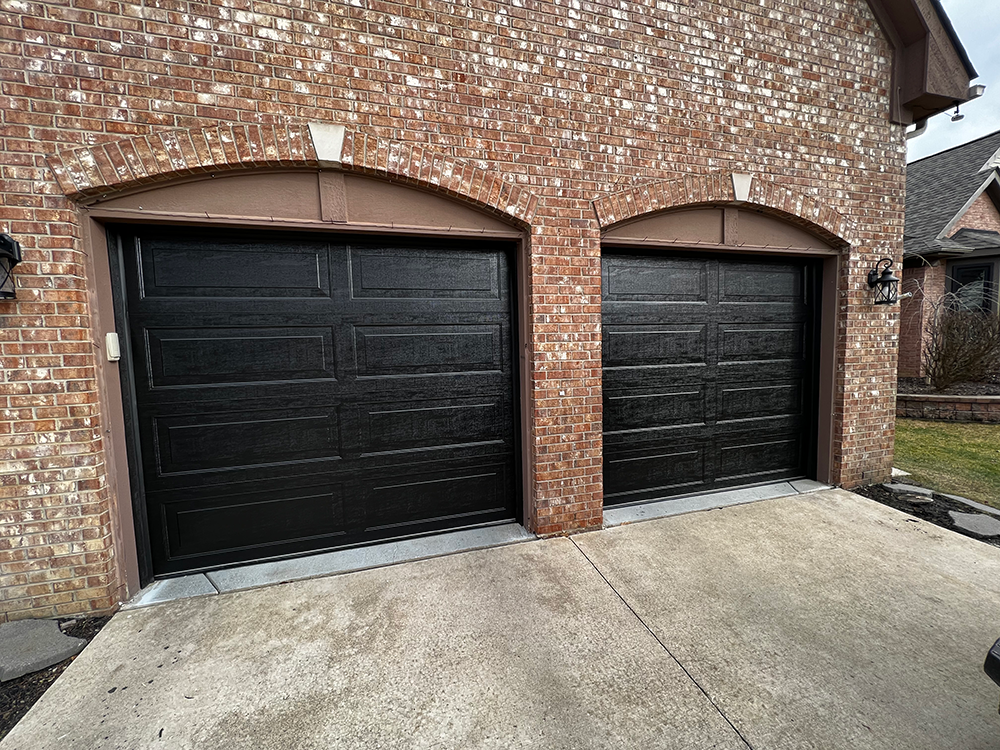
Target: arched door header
{"points": [[721, 189], [120, 166], [718, 227]]}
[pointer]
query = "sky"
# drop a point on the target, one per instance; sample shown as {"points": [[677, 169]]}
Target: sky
{"points": [[977, 23]]}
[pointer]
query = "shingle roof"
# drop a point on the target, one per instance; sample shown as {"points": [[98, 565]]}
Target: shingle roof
{"points": [[974, 239], [938, 186]]}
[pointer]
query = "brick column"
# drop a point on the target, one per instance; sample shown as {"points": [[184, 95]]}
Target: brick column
{"points": [[565, 336], [864, 408]]}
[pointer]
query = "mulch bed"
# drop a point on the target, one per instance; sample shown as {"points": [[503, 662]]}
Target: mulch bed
{"points": [[936, 512], [20, 694], [917, 386]]}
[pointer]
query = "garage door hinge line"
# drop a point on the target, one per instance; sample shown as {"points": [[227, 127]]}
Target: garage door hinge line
{"points": [[664, 647]]}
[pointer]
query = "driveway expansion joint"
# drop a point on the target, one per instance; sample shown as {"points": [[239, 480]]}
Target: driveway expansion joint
{"points": [[669, 653]]}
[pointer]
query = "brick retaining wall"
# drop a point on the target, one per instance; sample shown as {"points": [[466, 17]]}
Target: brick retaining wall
{"points": [[949, 408]]}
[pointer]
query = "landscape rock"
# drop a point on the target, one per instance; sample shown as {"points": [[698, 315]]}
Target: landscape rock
{"points": [[908, 489], [976, 523], [29, 645], [973, 504]]}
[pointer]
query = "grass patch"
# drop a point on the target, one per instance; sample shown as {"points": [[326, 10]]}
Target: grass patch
{"points": [[957, 458]]}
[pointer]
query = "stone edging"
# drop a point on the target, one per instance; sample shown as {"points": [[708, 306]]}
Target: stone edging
{"points": [[948, 408]]}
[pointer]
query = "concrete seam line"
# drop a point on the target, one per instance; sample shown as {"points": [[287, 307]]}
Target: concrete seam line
{"points": [[664, 646]]}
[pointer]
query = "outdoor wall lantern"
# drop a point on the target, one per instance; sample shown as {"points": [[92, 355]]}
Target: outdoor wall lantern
{"points": [[10, 256], [886, 284]]}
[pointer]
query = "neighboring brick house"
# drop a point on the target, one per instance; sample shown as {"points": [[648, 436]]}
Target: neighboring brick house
{"points": [[951, 241], [381, 269]]}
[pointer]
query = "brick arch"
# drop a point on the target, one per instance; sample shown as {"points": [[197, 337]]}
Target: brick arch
{"points": [[127, 164], [717, 189]]}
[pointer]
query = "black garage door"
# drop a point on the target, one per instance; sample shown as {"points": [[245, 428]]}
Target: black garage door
{"points": [[708, 373], [293, 393]]}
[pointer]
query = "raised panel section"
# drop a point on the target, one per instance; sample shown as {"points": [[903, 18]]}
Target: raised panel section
{"points": [[399, 501], [661, 471], [645, 411], [189, 268], [425, 425], [219, 356], [384, 351], [254, 520], [759, 458], [738, 402], [760, 342], [654, 345], [198, 442], [424, 274], [756, 282], [653, 279]]}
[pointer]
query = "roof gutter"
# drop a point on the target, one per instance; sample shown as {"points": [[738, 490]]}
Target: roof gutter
{"points": [[917, 131]]}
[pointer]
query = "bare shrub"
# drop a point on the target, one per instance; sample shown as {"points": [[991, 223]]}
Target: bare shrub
{"points": [[963, 344]]}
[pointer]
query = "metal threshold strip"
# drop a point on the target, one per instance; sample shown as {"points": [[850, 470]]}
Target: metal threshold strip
{"points": [[328, 563], [616, 516]]}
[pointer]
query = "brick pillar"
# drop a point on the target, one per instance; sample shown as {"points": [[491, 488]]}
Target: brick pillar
{"points": [[565, 317], [864, 407]]}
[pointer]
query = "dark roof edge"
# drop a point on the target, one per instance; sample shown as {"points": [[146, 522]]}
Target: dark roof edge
{"points": [[938, 253], [953, 148], [956, 42]]}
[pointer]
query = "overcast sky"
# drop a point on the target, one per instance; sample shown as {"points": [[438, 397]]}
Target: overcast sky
{"points": [[977, 23]]}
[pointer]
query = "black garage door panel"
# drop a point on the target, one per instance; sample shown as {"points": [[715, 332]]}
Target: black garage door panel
{"points": [[254, 518], [295, 394], [708, 372], [224, 356]]}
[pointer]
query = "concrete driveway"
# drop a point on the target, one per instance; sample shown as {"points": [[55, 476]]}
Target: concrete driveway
{"points": [[815, 621]]}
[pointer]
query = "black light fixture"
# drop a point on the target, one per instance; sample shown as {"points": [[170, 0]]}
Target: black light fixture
{"points": [[886, 284], [10, 256]]}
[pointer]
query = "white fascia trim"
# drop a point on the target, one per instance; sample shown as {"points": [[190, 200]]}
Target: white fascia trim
{"points": [[968, 204], [992, 163]]}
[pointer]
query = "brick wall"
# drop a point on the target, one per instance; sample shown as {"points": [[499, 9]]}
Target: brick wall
{"points": [[982, 214], [572, 102], [927, 284]]}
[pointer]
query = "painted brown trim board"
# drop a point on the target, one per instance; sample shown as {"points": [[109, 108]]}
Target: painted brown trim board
{"points": [[110, 399]]}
